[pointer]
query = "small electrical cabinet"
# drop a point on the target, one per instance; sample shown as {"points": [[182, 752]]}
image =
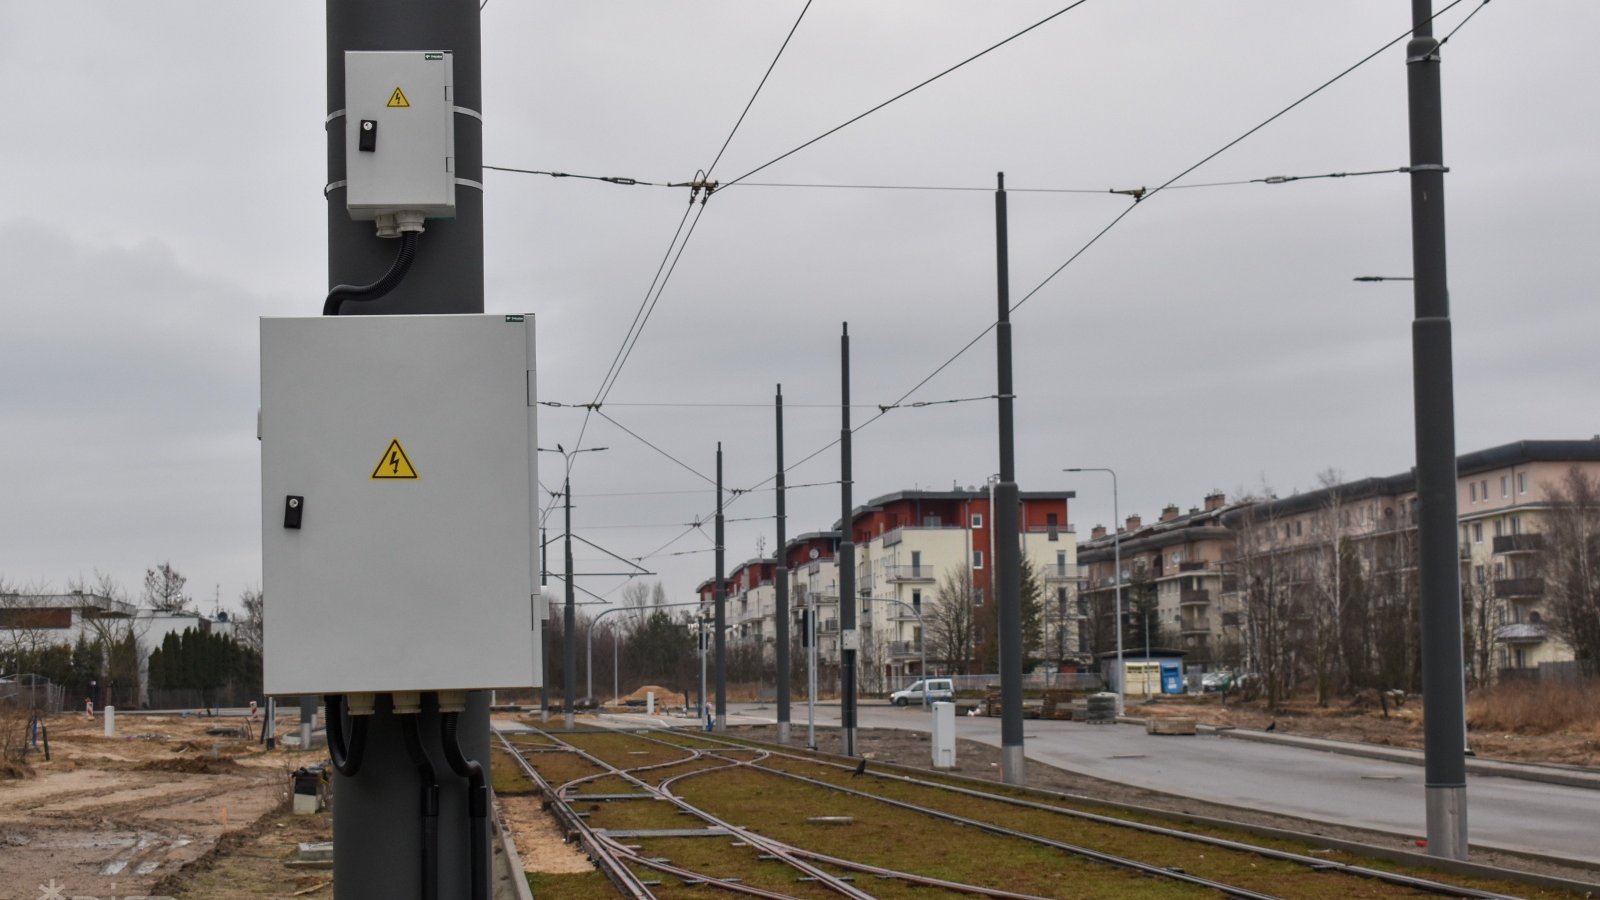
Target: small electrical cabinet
{"points": [[399, 122], [399, 504]]}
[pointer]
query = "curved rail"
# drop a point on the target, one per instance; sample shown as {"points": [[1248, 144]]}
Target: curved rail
{"points": [[599, 851], [1395, 878]]}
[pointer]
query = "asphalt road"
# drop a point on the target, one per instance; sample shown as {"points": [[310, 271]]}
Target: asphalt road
{"points": [[1506, 813]]}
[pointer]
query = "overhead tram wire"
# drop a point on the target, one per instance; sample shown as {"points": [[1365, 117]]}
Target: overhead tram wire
{"points": [[763, 83], [702, 181], [1167, 185], [907, 92], [675, 250], [1114, 222]]}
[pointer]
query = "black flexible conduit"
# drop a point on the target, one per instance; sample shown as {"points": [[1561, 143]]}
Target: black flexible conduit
{"points": [[391, 278], [347, 759], [428, 780], [477, 803]]}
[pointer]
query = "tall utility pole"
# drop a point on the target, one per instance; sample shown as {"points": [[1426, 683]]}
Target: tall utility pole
{"points": [[847, 559], [544, 637], [378, 819], [781, 585], [1007, 550], [720, 592], [1443, 676], [569, 621]]}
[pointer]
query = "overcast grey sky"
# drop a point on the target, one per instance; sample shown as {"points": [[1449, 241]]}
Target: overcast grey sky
{"points": [[162, 176]]}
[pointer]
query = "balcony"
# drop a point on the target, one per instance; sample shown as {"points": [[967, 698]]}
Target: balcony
{"points": [[903, 649], [1060, 573], [1195, 625], [901, 574], [1519, 543], [829, 626], [1520, 633], [1518, 588], [1198, 565], [1194, 598]]}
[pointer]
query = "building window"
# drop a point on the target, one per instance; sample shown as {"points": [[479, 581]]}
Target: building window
{"points": [[977, 520], [1522, 482], [1298, 530], [916, 600], [1051, 524], [1505, 485], [1477, 532], [1472, 489], [1061, 563], [1499, 528], [1483, 488], [977, 596], [977, 559], [1516, 524], [1479, 574]]}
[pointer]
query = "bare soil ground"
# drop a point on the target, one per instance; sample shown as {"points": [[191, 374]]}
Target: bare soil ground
{"points": [[1361, 719], [983, 761], [113, 816]]}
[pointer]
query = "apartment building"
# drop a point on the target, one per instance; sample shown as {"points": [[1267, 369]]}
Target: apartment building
{"points": [[1310, 548], [909, 542], [1173, 569]]}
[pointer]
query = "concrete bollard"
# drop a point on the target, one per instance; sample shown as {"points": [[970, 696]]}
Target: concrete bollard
{"points": [[944, 735], [650, 703], [111, 721]]}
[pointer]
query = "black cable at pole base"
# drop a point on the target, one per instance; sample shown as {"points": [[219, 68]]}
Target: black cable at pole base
{"points": [[375, 290]]}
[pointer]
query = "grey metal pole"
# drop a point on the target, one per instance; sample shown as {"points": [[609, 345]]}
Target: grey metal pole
{"points": [[616, 665], [569, 621], [588, 664], [544, 656], [781, 586], [378, 819], [1443, 673], [847, 560], [705, 642], [811, 677], [1116, 561], [720, 593], [1008, 549]]}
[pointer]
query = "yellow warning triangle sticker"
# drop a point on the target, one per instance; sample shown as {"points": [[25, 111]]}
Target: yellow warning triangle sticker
{"points": [[398, 98], [394, 464]]}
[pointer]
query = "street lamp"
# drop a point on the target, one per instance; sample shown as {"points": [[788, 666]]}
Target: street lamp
{"points": [[569, 676], [922, 645], [1116, 555], [615, 666]]}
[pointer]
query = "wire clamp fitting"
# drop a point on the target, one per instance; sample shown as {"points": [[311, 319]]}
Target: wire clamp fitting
{"points": [[1426, 167]]}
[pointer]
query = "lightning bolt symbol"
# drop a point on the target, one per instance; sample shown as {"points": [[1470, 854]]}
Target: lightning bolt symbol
{"points": [[394, 461]]}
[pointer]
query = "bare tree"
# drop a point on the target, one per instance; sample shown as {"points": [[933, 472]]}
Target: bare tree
{"points": [[951, 622], [249, 628], [1571, 563], [24, 631], [116, 633], [163, 589]]}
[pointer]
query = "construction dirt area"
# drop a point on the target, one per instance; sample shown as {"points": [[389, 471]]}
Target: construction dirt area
{"points": [[118, 816]]}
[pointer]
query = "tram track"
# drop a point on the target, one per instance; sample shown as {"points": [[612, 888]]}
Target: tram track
{"points": [[682, 759], [1430, 886]]}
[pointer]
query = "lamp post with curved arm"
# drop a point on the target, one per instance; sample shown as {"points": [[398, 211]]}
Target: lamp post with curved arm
{"points": [[615, 667], [1116, 556], [922, 644]]}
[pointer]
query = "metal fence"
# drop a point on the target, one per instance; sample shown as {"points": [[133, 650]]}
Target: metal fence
{"points": [[31, 692]]}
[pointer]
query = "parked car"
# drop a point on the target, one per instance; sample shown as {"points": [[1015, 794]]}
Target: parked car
{"points": [[1229, 681], [938, 689]]}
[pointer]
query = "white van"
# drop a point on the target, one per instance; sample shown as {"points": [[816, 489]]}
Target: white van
{"points": [[937, 688]]}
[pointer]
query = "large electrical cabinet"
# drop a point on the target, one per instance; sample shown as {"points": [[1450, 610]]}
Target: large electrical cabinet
{"points": [[399, 503]]}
